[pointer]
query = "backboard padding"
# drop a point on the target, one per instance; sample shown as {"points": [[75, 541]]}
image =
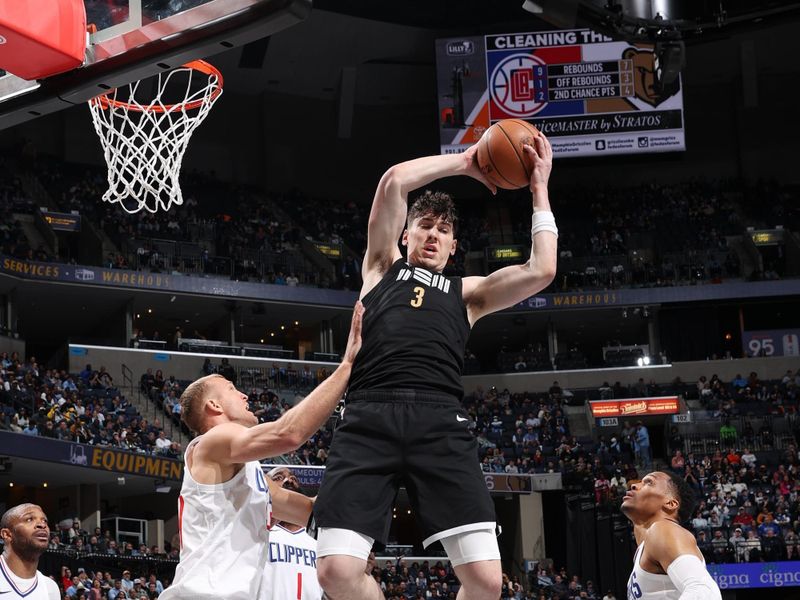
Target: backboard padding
{"points": [[127, 51]]}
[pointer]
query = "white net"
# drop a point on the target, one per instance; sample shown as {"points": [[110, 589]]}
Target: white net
{"points": [[144, 140]]}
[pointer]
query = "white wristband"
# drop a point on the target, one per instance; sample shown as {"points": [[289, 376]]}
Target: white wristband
{"points": [[543, 220]]}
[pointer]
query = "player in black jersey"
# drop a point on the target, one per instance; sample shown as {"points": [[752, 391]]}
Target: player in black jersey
{"points": [[403, 422]]}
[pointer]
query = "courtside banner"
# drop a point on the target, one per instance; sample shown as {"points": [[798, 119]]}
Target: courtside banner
{"points": [[173, 282], [308, 476], [225, 287], [662, 405], [756, 575], [589, 94], [219, 286], [311, 477], [103, 458]]}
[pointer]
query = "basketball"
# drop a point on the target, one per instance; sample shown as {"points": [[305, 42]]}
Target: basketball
{"points": [[501, 157]]}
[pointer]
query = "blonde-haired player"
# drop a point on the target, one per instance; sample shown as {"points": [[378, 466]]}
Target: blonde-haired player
{"points": [[667, 564], [226, 505]]}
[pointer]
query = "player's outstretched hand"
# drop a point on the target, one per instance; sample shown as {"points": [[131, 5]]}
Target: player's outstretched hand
{"points": [[541, 156], [354, 340], [473, 170]]}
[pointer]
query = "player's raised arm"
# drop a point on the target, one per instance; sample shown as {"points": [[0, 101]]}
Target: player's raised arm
{"points": [[511, 285], [300, 422], [232, 443], [387, 219]]}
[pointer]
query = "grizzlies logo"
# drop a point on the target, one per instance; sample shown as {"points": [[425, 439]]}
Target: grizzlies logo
{"points": [[644, 77]]}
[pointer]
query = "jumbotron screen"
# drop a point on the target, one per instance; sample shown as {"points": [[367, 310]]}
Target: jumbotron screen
{"points": [[589, 94]]}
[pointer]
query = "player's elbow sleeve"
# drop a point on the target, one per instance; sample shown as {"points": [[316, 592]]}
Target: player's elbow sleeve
{"points": [[692, 579]]}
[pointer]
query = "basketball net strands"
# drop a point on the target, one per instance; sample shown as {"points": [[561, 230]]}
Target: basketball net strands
{"points": [[144, 127], [144, 140]]}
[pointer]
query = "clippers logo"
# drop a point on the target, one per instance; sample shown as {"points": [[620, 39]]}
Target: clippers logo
{"points": [[512, 85], [462, 48]]}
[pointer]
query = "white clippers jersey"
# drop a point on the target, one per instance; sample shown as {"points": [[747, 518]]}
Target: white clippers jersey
{"points": [[649, 586], [291, 571], [36, 588], [224, 536]]}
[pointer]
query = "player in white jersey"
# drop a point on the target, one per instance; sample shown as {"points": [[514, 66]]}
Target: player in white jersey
{"points": [[291, 571], [667, 564], [25, 536], [226, 505]]}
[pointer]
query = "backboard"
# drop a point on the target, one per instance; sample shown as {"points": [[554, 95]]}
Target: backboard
{"points": [[135, 39]]}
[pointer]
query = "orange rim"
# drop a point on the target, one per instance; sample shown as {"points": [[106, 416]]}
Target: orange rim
{"points": [[105, 101]]}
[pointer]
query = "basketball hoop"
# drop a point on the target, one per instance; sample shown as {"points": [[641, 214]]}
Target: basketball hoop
{"points": [[144, 141]]}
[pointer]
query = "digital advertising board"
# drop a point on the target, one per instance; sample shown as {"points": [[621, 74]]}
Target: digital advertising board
{"points": [[589, 94]]}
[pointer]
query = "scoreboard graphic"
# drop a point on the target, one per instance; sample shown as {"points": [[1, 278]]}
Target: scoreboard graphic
{"points": [[589, 94]]}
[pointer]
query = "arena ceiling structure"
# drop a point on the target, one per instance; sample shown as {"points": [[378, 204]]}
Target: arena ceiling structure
{"points": [[691, 17], [390, 44]]}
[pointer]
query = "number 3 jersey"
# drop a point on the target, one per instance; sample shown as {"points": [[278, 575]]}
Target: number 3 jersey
{"points": [[414, 333], [224, 536], [291, 571]]}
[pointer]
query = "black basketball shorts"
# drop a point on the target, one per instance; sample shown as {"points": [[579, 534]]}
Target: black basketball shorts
{"points": [[404, 437]]}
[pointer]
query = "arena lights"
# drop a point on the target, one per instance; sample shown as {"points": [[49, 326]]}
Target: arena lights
{"points": [[664, 23], [643, 361]]}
